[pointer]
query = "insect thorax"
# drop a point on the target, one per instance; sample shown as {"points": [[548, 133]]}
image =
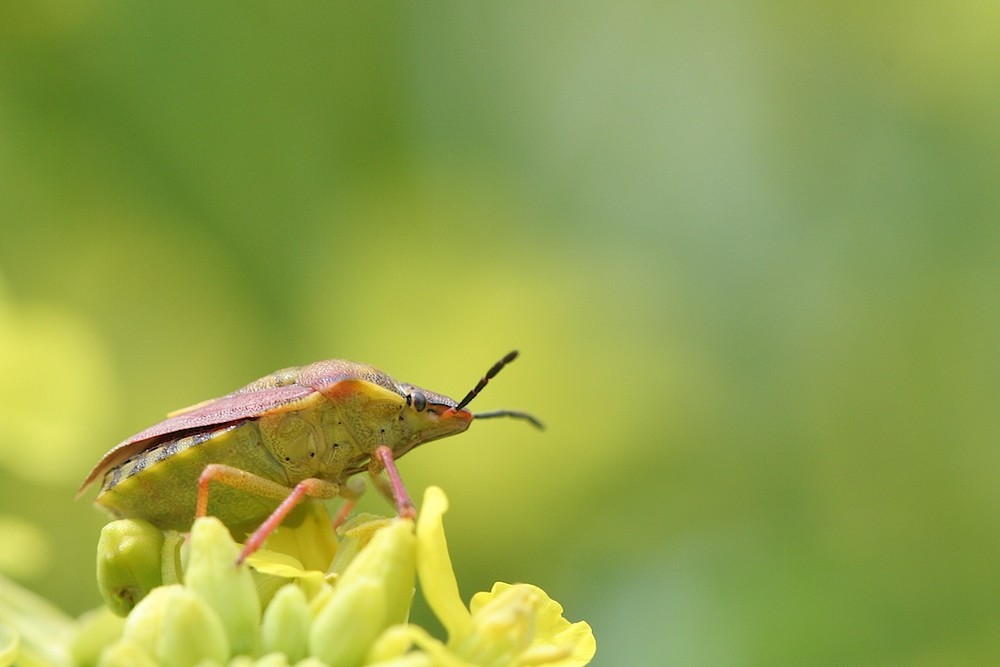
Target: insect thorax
{"points": [[328, 436]]}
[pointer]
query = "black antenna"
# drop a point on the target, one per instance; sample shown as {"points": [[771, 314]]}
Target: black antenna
{"points": [[517, 414], [490, 374]]}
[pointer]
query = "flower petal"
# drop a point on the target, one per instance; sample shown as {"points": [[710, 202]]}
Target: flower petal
{"points": [[437, 578]]}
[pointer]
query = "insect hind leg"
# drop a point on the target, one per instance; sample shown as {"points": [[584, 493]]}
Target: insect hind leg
{"points": [[254, 484], [351, 491]]}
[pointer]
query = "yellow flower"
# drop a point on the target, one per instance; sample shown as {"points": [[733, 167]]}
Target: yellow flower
{"points": [[513, 625], [194, 606]]}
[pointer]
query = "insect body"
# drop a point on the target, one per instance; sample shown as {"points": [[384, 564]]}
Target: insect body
{"points": [[296, 433]]}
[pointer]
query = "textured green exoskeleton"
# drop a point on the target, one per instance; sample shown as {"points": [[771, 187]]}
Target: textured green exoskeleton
{"points": [[296, 433]]}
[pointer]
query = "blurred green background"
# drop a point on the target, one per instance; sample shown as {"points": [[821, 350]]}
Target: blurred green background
{"points": [[749, 253]]}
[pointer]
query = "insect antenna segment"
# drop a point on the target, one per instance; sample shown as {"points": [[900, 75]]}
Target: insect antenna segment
{"points": [[517, 414], [490, 374]]}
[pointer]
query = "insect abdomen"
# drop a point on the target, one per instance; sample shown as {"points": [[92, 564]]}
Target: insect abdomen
{"points": [[160, 484]]}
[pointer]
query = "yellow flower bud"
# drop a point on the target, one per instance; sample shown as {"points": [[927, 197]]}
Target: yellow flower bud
{"points": [[177, 628], [285, 628], [128, 563], [229, 590]]}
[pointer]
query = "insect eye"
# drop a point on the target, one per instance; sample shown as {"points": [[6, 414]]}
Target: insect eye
{"points": [[419, 402]]}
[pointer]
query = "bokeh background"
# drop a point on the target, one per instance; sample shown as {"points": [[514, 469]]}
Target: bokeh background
{"points": [[749, 253]]}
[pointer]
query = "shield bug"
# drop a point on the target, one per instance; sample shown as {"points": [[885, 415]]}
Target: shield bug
{"points": [[297, 433]]}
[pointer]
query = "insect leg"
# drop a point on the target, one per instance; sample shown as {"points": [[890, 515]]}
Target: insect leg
{"points": [[350, 492], [394, 489], [312, 487], [238, 479], [254, 484]]}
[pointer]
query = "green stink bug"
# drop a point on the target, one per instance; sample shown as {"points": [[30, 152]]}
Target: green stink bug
{"points": [[297, 433]]}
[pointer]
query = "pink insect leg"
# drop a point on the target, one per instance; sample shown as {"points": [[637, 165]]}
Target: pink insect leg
{"points": [[404, 505], [254, 484], [351, 491], [315, 488]]}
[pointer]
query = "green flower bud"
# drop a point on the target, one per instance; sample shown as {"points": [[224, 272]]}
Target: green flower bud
{"points": [[128, 563], [393, 644], [177, 628], [125, 653], [95, 630], [390, 558], [373, 593], [311, 662], [229, 590], [271, 660], [357, 532], [346, 627], [285, 628], [418, 660]]}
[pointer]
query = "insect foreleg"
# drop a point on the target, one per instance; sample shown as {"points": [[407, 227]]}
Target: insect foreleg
{"points": [[393, 489]]}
